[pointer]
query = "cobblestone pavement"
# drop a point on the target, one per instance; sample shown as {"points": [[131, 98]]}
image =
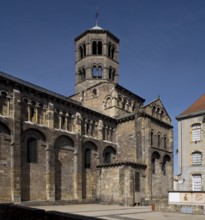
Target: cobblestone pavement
{"points": [[114, 212]]}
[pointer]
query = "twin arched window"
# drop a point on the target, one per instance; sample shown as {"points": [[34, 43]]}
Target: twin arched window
{"points": [[82, 74], [111, 74], [97, 72], [97, 48], [111, 50], [82, 50]]}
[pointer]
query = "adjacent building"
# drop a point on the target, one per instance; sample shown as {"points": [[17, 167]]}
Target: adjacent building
{"points": [[100, 144], [191, 147]]}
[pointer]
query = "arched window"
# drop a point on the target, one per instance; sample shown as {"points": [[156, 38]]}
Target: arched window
{"points": [[153, 111], [81, 52], [99, 48], [164, 164], [108, 154], [32, 150], [196, 132], [94, 92], [111, 50], [137, 182], [87, 158], [164, 167], [56, 118], [196, 158], [24, 110], [84, 50], [165, 142], [40, 114], [83, 74], [152, 138], [107, 157], [3, 103], [158, 140], [111, 74], [97, 72], [153, 165], [161, 114], [155, 157], [94, 48]]}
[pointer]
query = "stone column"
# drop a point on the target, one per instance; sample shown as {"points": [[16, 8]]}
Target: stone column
{"points": [[29, 111], [44, 116], [100, 130], [60, 120], [50, 173], [50, 115], [78, 166], [66, 121], [77, 123], [16, 149], [37, 113], [8, 105]]}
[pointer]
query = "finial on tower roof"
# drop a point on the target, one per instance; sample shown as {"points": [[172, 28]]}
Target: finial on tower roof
{"points": [[96, 17]]}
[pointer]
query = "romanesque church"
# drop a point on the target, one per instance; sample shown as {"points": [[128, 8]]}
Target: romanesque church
{"points": [[102, 144]]}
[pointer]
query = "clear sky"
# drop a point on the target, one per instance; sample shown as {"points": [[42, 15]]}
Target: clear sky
{"points": [[162, 45]]}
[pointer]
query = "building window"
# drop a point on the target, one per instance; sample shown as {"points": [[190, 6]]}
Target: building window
{"points": [[32, 150], [152, 138], [111, 74], [137, 182], [111, 50], [87, 158], [82, 74], [165, 142], [97, 48], [97, 72], [153, 166], [164, 167], [196, 132], [196, 158], [94, 92], [196, 182], [158, 140], [107, 157]]}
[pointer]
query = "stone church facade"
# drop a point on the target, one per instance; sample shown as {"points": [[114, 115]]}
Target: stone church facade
{"points": [[100, 144]]}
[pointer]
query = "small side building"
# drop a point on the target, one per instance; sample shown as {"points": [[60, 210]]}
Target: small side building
{"points": [[190, 182]]}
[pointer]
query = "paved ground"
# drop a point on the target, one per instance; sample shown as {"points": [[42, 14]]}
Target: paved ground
{"points": [[114, 212]]}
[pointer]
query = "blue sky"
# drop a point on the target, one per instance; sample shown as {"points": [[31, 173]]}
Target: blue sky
{"points": [[162, 45]]}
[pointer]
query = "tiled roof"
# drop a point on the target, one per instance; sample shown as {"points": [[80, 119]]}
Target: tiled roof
{"points": [[196, 107]]}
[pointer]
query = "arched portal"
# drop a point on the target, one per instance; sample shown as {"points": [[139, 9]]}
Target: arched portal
{"points": [[155, 175], [33, 162], [64, 166], [5, 165], [89, 170]]}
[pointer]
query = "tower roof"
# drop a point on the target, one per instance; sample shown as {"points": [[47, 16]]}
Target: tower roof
{"points": [[197, 107], [97, 30], [96, 27]]}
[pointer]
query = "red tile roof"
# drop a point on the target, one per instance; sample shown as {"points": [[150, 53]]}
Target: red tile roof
{"points": [[197, 106]]}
